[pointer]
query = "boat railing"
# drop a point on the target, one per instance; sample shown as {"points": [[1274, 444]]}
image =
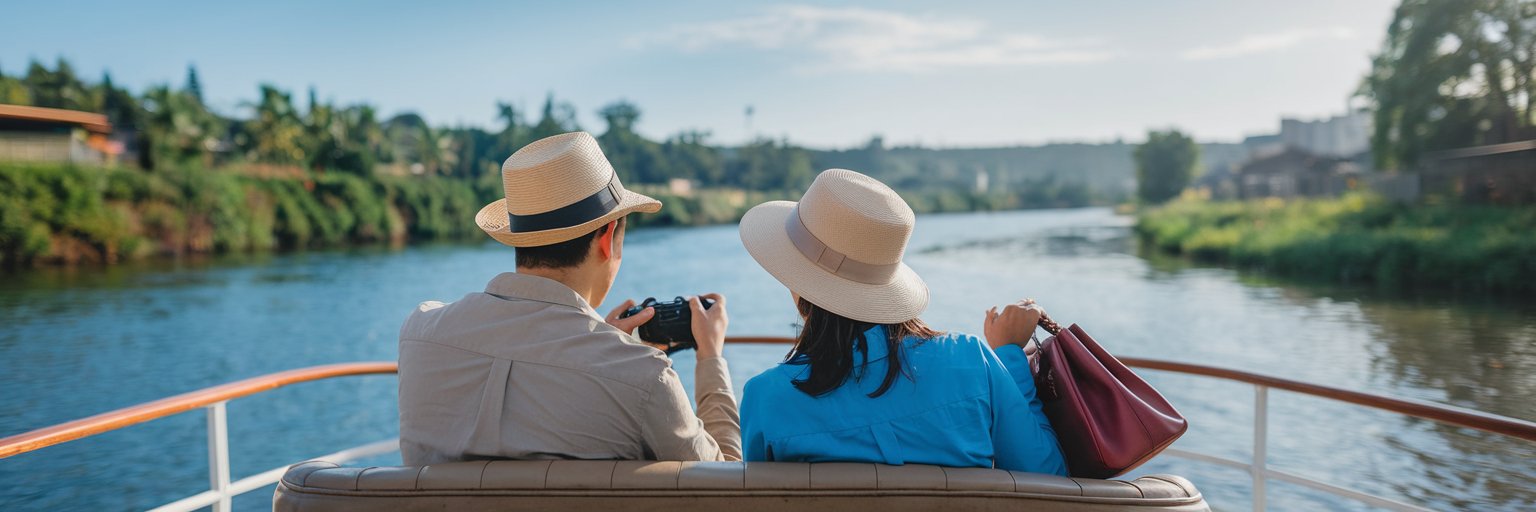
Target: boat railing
{"points": [[222, 489], [1258, 467]]}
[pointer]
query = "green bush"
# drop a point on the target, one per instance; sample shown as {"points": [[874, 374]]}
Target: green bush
{"points": [[57, 213]]}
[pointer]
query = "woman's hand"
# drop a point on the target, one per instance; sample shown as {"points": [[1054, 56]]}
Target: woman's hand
{"points": [[1013, 325]]}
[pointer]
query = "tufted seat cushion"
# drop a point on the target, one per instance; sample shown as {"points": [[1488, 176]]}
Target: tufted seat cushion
{"points": [[733, 486]]}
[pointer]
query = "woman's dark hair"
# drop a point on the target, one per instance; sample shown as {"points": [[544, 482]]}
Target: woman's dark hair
{"points": [[828, 340]]}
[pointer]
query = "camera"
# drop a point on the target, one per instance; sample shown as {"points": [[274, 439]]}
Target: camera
{"points": [[673, 324]]}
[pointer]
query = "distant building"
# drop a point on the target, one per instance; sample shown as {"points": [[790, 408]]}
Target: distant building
{"points": [[1497, 173], [36, 134], [1293, 173], [1261, 146], [680, 187], [1338, 136]]}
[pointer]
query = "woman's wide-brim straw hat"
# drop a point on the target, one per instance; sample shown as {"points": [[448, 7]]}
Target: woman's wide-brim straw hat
{"points": [[558, 188], [840, 247]]}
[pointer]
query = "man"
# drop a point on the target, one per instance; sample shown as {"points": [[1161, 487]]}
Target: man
{"points": [[527, 369]]}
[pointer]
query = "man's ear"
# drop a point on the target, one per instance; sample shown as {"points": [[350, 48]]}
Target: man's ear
{"points": [[606, 243]]}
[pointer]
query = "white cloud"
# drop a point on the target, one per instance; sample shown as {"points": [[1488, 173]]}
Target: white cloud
{"points": [[1259, 43], [867, 39]]}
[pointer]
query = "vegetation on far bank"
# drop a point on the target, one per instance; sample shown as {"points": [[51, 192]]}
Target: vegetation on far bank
{"points": [[62, 214], [1356, 238], [280, 175], [66, 214]]}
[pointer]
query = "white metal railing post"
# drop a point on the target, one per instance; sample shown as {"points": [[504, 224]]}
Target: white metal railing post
{"points": [[1260, 445], [218, 455]]}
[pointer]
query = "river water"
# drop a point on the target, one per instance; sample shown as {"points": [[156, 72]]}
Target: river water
{"points": [[79, 342]]}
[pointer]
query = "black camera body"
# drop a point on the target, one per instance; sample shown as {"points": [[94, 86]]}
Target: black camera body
{"points": [[673, 324]]}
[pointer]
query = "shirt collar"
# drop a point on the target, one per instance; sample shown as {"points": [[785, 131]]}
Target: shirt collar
{"points": [[511, 285], [874, 339]]}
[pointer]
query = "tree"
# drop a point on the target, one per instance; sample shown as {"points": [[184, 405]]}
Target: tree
{"points": [[512, 135], [194, 86], [58, 88], [179, 128], [557, 118], [364, 134], [1164, 165], [121, 108], [276, 132], [13, 91], [1452, 74], [766, 164], [325, 137], [634, 158], [689, 156]]}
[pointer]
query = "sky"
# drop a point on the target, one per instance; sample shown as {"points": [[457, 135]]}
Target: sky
{"points": [[940, 74]]}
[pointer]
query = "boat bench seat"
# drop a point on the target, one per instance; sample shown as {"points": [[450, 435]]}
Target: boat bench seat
{"points": [[730, 486]]}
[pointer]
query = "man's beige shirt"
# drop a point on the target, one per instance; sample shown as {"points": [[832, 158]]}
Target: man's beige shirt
{"points": [[528, 370]]}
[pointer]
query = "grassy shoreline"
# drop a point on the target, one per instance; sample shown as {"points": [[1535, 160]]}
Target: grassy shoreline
{"points": [[1356, 238]]}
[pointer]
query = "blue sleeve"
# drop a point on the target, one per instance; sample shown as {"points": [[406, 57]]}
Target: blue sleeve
{"points": [[1021, 433], [754, 447]]}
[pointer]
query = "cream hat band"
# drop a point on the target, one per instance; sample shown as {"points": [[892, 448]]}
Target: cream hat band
{"points": [[829, 259]]}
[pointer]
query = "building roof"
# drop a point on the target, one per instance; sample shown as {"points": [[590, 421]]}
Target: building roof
{"points": [[1295, 160], [96, 123]]}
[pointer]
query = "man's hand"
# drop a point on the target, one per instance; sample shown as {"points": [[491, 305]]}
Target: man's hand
{"points": [[1013, 325], [709, 325], [628, 325]]}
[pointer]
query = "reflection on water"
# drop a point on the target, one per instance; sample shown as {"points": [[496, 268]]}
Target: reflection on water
{"points": [[78, 342]]}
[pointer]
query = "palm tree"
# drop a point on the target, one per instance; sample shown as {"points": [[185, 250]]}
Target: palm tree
{"points": [[277, 133], [179, 127]]}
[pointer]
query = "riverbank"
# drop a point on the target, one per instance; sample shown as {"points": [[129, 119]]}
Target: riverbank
{"points": [[68, 215], [57, 214], [1356, 238]]}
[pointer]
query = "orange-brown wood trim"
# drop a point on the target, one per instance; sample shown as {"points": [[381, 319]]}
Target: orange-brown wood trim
{"points": [[1453, 415], [85, 427]]}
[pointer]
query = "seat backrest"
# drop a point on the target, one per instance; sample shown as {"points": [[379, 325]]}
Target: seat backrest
{"points": [[733, 486]]}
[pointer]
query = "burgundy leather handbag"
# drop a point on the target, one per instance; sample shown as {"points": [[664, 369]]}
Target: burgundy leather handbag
{"points": [[1107, 419]]}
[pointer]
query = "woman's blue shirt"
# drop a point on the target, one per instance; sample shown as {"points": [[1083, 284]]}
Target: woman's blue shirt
{"points": [[960, 404]]}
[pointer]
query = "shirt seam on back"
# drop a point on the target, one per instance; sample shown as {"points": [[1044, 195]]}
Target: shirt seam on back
{"points": [[642, 389], [887, 421], [512, 298]]}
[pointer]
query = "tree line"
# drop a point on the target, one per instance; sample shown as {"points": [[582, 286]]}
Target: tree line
{"points": [[293, 174], [171, 126]]}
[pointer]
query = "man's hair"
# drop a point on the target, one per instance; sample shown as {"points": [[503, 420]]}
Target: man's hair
{"points": [[565, 254]]}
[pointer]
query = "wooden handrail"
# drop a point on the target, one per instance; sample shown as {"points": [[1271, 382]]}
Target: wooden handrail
{"points": [[1450, 414], [86, 427], [1453, 415]]}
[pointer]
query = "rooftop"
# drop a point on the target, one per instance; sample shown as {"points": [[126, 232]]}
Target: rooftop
{"points": [[95, 123]]}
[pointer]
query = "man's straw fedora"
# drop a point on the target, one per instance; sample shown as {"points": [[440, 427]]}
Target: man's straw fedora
{"points": [[840, 247], [558, 188]]}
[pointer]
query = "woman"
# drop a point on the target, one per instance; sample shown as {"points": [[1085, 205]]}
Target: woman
{"points": [[867, 380]]}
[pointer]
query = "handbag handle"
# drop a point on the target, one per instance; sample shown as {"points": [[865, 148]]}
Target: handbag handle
{"points": [[1049, 325], [1034, 346]]}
